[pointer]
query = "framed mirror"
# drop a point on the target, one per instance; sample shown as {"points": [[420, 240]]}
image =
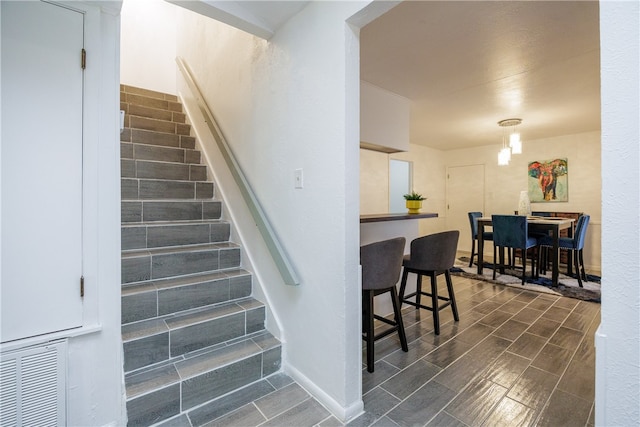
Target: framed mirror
{"points": [[400, 183]]}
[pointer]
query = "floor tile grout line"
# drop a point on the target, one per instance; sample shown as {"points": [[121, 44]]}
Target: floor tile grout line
{"points": [[433, 378], [551, 302], [529, 365], [547, 400]]}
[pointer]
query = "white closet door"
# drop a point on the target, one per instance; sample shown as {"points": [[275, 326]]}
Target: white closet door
{"points": [[42, 173], [465, 193]]}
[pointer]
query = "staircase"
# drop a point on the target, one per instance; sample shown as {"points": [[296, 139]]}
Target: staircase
{"points": [[193, 336]]}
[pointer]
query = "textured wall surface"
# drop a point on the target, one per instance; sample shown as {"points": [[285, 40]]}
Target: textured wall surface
{"points": [[618, 339]]}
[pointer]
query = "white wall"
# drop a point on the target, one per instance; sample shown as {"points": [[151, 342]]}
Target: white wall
{"points": [[618, 338], [285, 104], [502, 183], [428, 179], [384, 118], [148, 45]]}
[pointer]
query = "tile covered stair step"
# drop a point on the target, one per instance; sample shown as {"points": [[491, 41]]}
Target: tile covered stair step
{"points": [[203, 377], [159, 263], [160, 234], [161, 297]]}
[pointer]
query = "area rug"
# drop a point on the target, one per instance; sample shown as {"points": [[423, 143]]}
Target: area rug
{"points": [[567, 285]]}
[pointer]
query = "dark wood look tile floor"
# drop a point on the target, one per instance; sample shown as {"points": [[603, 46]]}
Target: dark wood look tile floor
{"points": [[515, 358]]}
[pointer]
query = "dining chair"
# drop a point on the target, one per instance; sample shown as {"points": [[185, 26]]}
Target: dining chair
{"points": [[381, 264], [487, 235], [512, 232], [431, 256], [574, 244]]}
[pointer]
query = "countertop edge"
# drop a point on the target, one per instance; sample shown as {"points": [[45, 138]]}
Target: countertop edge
{"points": [[395, 217]]}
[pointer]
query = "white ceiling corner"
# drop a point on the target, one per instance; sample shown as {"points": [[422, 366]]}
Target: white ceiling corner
{"points": [[260, 18]]}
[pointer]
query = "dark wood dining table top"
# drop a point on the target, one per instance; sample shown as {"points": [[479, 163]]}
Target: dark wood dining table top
{"points": [[536, 223]]}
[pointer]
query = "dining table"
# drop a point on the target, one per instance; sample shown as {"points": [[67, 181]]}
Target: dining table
{"points": [[546, 225]]}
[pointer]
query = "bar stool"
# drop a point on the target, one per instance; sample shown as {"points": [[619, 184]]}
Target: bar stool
{"points": [[431, 256], [381, 263]]}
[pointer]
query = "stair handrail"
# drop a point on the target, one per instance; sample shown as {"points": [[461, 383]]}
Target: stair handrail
{"points": [[276, 250]]}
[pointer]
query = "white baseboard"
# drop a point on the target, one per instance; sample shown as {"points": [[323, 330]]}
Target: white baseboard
{"points": [[342, 413], [601, 377]]}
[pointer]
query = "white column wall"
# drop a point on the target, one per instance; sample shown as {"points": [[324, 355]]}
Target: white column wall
{"points": [[618, 338], [95, 382], [290, 103]]}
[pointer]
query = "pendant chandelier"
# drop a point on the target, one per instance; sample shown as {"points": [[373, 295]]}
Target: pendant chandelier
{"points": [[514, 145]]}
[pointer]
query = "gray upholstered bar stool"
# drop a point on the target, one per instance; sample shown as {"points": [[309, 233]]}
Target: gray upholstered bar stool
{"points": [[431, 256], [381, 263]]}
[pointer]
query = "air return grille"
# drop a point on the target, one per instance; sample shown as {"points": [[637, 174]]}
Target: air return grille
{"points": [[32, 389]]}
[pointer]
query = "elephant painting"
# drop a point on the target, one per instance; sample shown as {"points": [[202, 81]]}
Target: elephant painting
{"points": [[548, 181]]}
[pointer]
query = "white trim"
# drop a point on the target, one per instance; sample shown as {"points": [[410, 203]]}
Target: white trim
{"points": [[41, 339], [601, 376], [343, 413]]}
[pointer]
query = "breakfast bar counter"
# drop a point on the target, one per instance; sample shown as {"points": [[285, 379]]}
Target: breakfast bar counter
{"points": [[395, 217], [378, 227]]}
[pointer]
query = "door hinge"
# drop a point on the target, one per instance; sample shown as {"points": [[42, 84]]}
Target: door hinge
{"points": [[82, 286], [83, 60]]}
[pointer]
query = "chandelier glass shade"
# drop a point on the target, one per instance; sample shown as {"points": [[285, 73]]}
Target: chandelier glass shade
{"points": [[515, 143]]}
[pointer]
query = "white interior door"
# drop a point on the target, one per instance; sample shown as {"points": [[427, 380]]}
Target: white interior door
{"points": [[42, 174], [465, 193]]}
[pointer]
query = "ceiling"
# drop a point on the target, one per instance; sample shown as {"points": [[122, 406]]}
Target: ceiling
{"points": [[258, 17], [467, 65]]}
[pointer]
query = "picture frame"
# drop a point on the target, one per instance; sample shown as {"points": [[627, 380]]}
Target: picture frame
{"points": [[548, 180]]}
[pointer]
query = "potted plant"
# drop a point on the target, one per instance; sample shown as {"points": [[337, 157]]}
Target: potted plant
{"points": [[414, 202]]}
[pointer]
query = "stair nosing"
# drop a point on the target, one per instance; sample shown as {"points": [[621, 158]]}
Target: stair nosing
{"points": [[154, 118], [163, 161], [256, 349], [180, 281], [129, 103], [147, 90], [176, 223], [198, 247], [154, 131], [216, 311], [165, 180]]}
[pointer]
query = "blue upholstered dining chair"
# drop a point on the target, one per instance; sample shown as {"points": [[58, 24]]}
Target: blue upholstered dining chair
{"points": [[473, 222], [512, 232], [381, 264], [575, 244]]}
